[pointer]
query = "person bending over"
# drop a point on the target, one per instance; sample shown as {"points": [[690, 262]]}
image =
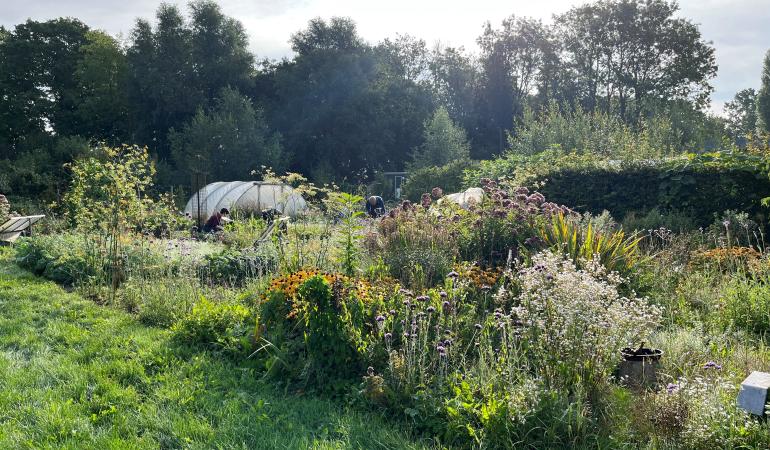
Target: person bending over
{"points": [[217, 221], [375, 206]]}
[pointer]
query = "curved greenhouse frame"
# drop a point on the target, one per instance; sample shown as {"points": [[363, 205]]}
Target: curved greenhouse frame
{"points": [[245, 196]]}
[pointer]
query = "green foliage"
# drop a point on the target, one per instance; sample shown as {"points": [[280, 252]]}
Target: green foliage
{"points": [[348, 208], [448, 177], [102, 75], [227, 142], [109, 195], [416, 246], [742, 114], [763, 98], [703, 185], [235, 267], [745, 305], [332, 348], [59, 258], [503, 226], [109, 189], [225, 327], [675, 220], [616, 251], [444, 142], [72, 258], [159, 301], [95, 378], [597, 133]]}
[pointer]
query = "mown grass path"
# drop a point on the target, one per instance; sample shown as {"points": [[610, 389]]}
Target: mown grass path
{"points": [[77, 375]]}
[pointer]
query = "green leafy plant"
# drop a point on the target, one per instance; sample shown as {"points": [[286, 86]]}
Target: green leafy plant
{"points": [[616, 251], [332, 345], [225, 327], [348, 208], [109, 198]]}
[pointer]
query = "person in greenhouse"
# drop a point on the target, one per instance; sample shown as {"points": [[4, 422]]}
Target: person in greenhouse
{"points": [[217, 221], [375, 206]]}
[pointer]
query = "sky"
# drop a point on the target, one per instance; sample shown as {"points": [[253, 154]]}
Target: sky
{"points": [[739, 29]]}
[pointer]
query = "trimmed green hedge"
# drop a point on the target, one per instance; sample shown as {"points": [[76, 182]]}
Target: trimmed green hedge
{"points": [[703, 185]]}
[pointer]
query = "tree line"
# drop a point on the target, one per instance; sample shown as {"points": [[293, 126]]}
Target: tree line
{"points": [[340, 109]]}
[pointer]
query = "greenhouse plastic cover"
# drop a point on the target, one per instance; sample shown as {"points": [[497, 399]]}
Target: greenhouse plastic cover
{"points": [[245, 196]]}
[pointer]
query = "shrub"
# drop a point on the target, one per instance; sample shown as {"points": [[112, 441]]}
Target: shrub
{"points": [[225, 327], [160, 302], [292, 305], [699, 413], [242, 232], [574, 322], [415, 245], [745, 305], [235, 267], [448, 177], [505, 224], [61, 258], [614, 250], [679, 221], [702, 185], [332, 343], [73, 259]]}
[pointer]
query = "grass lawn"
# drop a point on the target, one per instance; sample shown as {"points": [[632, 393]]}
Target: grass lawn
{"points": [[77, 375]]}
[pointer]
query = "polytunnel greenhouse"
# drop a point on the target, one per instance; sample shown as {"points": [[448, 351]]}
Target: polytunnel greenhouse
{"points": [[244, 196]]}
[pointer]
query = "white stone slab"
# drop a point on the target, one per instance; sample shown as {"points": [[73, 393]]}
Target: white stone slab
{"points": [[753, 394]]}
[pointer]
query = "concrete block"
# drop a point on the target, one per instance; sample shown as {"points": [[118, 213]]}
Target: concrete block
{"points": [[753, 394]]}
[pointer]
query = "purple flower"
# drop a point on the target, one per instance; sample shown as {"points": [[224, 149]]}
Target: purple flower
{"points": [[446, 305], [392, 312], [437, 192], [712, 365], [431, 309], [425, 200], [423, 298], [672, 387], [453, 274], [443, 294], [406, 302], [388, 336], [380, 319]]}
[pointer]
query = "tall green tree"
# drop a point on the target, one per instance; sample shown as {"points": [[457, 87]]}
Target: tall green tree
{"points": [[513, 59], [627, 53], [38, 62], [220, 49], [443, 143], [227, 141], [341, 108], [741, 114], [179, 65], [763, 97], [162, 84], [101, 75]]}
